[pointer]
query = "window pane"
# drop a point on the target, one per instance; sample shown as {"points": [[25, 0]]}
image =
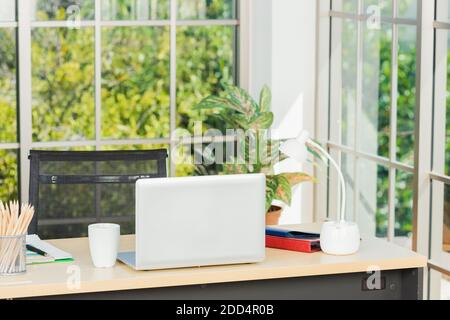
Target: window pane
{"points": [[204, 58], [441, 134], [446, 64], [374, 125], [8, 85], [373, 210], [403, 208], [447, 139], [343, 78], [441, 248], [440, 235], [69, 10], [383, 7], [443, 10], [135, 82], [407, 9], [443, 285], [8, 11], [446, 236], [135, 10], [348, 170], [206, 9], [406, 101], [8, 175], [350, 6], [63, 84]]}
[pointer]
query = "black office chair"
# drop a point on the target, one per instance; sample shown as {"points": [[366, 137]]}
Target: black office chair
{"points": [[72, 189]]}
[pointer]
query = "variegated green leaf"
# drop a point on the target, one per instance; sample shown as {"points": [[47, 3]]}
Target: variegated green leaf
{"points": [[241, 121], [284, 192], [215, 102], [271, 188], [240, 97], [234, 168], [212, 102], [263, 121], [297, 178], [265, 99]]}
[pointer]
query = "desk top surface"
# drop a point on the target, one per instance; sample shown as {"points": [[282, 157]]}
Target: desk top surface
{"points": [[61, 278]]}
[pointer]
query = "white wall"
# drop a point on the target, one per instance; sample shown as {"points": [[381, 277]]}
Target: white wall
{"points": [[283, 56]]}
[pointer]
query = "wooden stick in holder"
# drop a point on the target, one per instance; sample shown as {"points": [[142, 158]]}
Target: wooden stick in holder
{"points": [[14, 222]]}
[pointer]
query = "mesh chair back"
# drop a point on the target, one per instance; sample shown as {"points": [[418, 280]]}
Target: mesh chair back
{"points": [[72, 189]]}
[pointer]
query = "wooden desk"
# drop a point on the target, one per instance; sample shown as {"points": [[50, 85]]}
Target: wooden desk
{"points": [[283, 275]]}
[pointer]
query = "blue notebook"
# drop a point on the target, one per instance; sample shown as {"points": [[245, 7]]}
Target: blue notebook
{"points": [[275, 232]]}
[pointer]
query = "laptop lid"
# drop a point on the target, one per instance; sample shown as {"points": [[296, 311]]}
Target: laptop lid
{"points": [[199, 221]]}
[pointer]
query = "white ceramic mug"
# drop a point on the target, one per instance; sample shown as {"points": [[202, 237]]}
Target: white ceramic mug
{"points": [[104, 244]]}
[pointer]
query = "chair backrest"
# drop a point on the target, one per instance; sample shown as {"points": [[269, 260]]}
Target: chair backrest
{"points": [[72, 189]]}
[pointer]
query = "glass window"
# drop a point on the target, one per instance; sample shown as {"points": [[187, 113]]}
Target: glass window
{"points": [[373, 210], [205, 58], [407, 9], [8, 85], [350, 6], [440, 234], [206, 9], [344, 76], [63, 9], [446, 224], [406, 101], [403, 208], [381, 7], [63, 84], [362, 80], [441, 161], [443, 285], [8, 175], [135, 10], [447, 140], [135, 82], [443, 10], [348, 170], [374, 128], [84, 92], [8, 11]]}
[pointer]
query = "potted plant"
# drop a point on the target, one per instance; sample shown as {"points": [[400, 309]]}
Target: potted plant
{"points": [[238, 110]]}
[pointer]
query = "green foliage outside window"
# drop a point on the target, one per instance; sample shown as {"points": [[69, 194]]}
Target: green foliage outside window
{"points": [[135, 88]]}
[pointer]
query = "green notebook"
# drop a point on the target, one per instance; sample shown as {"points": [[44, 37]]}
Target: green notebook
{"points": [[34, 258], [54, 254]]}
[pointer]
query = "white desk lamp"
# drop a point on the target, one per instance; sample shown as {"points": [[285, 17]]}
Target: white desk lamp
{"points": [[337, 237]]}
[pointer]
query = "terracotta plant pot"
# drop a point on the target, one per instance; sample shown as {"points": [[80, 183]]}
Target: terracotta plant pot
{"points": [[273, 216]]}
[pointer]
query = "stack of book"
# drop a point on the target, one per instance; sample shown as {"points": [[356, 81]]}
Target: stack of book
{"points": [[292, 240]]}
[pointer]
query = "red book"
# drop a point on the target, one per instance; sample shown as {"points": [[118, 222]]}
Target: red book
{"points": [[292, 244]]}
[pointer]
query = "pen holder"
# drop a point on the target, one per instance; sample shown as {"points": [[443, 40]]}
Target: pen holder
{"points": [[13, 255]]}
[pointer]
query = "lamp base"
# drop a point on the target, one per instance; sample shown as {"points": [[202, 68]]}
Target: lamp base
{"points": [[339, 238]]}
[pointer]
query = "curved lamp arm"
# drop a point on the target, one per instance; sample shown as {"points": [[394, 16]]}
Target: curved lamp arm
{"points": [[321, 150]]}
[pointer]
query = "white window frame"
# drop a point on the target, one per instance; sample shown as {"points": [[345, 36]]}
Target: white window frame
{"points": [[428, 183], [24, 25]]}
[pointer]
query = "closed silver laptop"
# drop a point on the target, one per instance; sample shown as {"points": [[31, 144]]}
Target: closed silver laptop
{"points": [[198, 221]]}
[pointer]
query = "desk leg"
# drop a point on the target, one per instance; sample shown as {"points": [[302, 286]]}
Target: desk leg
{"points": [[412, 284]]}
